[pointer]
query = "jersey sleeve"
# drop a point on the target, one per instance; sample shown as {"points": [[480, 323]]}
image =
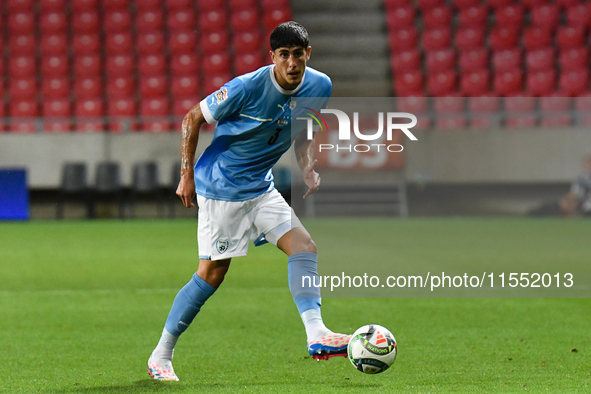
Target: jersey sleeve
{"points": [[223, 102]]}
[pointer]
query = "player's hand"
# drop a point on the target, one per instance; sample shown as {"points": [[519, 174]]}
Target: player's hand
{"points": [[186, 191], [311, 179]]}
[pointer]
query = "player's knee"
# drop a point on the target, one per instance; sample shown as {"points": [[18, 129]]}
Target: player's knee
{"points": [[308, 246]]}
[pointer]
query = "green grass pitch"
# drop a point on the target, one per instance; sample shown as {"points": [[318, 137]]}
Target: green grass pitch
{"points": [[82, 305]]}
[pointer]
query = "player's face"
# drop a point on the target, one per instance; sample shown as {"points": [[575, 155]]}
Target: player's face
{"points": [[290, 64]]}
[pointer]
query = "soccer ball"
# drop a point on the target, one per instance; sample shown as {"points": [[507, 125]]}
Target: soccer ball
{"points": [[372, 349]]}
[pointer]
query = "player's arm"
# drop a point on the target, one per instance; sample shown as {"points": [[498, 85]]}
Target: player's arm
{"points": [[189, 137], [305, 152]]}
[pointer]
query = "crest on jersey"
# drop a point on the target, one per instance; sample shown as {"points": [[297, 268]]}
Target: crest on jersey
{"points": [[292, 105], [222, 246], [221, 95]]}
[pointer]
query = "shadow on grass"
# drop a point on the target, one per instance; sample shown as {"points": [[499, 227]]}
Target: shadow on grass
{"points": [[150, 385]]}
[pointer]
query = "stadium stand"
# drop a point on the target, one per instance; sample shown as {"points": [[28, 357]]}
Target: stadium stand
{"points": [[504, 48], [125, 58]]}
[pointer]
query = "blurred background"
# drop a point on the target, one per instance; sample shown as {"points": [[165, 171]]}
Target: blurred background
{"points": [[94, 92]]}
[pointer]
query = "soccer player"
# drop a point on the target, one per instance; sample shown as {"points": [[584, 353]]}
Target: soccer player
{"points": [[234, 186]]}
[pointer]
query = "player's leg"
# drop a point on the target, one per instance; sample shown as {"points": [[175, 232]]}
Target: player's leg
{"points": [[303, 263], [186, 306]]}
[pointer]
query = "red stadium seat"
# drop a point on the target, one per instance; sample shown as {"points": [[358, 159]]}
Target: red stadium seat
{"points": [[556, 120], [150, 21], [181, 20], [243, 4], [180, 107], [244, 20], [117, 22], [401, 18], [23, 109], [183, 41], [405, 61], [19, 5], [121, 87], [476, 16], [556, 102], [152, 42], [519, 103], [483, 111], [428, 4], [22, 88], [521, 121], [541, 59], [55, 88], [54, 44], [21, 66], [218, 63], [83, 5], [473, 60], [545, 16], [475, 83], [21, 23], [274, 17], [89, 87], [86, 22], [574, 82], [202, 5], [469, 38], [247, 62], [436, 39], [87, 66], [214, 81], [115, 5], [566, 3], [156, 113], [438, 17], [211, 21], [122, 113], [442, 59], [409, 83], [184, 65], [442, 83], [541, 83], [118, 43], [418, 106], [56, 115], [147, 5], [570, 37], [499, 3], [529, 4], [184, 87], [22, 45], [536, 38], [152, 65], [89, 114], [509, 15], [54, 66], [54, 23], [392, 4], [508, 82], [507, 59], [246, 42], [503, 38], [86, 44], [449, 104], [271, 4], [215, 42], [461, 4], [154, 86], [404, 40], [579, 15], [574, 58], [120, 66]]}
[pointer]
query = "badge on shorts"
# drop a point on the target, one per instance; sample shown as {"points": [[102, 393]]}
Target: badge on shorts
{"points": [[222, 246]]}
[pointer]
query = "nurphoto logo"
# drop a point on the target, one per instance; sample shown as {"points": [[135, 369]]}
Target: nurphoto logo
{"points": [[344, 134]]}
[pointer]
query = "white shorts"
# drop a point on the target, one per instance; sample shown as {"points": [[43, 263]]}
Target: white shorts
{"points": [[225, 228]]}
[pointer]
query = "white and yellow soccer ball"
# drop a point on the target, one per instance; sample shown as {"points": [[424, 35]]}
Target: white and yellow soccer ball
{"points": [[372, 349]]}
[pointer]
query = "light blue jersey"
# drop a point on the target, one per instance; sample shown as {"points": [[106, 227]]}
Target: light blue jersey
{"points": [[253, 131]]}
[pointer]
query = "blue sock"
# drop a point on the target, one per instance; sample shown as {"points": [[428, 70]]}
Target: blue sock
{"points": [[307, 294], [187, 304]]}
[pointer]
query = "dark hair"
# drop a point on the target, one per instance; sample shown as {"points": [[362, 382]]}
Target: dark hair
{"points": [[289, 34]]}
